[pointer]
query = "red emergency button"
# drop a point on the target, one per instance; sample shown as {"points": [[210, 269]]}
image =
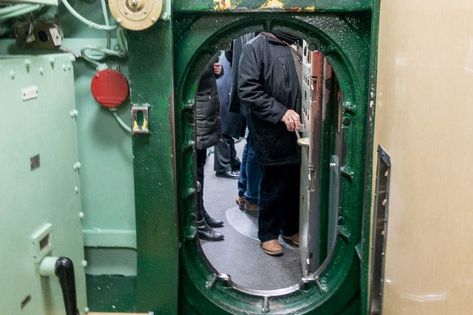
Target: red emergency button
{"points": [[109, 88]]}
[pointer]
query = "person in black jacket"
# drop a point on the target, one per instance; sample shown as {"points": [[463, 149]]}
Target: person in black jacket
{"points": [[269, 91], [207, 134], [250, 173], [226, 162]]}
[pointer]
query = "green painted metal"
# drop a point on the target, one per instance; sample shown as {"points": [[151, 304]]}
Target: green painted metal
{"points": [[182, 50], [105, 149], [366, 239], [33, 198], [97, 237], [105, 153], [106, 157], [46, 2], [108, 293], [110, 261], [328, 149], [205, 6], [164, 69], [346, 42], [151, 68]]}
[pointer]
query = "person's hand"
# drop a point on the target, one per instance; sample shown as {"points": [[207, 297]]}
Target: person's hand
{"points": [[292, 120], [217, 68]]}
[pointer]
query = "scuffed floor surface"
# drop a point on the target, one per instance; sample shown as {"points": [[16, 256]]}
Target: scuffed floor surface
{"points": [[240, 254]]}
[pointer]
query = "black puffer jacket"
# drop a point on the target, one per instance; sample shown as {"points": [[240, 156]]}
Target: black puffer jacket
{"points": [[267, 87], [207, 108]]}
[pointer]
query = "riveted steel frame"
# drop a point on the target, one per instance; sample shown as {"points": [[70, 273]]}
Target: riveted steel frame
{"points": [[151, 69], [238, 6], [345, 41], [164, 174]]}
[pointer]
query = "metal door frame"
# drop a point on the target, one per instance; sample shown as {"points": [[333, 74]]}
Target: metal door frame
{"points": [[329, 290]]}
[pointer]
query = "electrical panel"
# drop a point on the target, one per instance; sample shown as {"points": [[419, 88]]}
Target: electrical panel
{"points": [[40, 185]]}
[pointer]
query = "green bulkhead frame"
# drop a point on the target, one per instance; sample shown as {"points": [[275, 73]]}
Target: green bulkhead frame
{"points": [[165, 61]]}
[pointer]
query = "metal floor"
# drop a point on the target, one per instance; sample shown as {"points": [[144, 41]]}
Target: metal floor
{"points": [[240, 254]]}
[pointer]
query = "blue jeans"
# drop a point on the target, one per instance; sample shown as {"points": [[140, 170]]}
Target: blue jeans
{"points": [[250, 174]]}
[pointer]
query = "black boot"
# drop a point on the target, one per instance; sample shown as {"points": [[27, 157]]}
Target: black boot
{"points": [[207, 233], [211, 221]]}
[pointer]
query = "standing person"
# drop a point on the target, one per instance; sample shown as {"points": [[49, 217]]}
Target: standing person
{"points": [[250, 173], [207, 134], [226, 162], [249, 180], [269, 90]]}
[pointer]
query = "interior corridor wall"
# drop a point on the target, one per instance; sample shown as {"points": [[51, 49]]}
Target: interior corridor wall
{"points": [[106, 159], [105, 149], [105, 154], [424, 121]]}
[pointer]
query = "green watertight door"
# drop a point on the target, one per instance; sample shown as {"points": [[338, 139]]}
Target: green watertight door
{"points": [[334, 289], [345, 32]]}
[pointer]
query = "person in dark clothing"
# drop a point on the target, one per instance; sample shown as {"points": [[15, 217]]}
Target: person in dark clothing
{"points": [[226, 162], [250, 173], [207, 133], [269, 90]]}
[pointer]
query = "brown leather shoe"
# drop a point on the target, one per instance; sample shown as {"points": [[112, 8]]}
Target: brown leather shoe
{"points": [[241, 201], [251, 207], [272, 247], [292, 240]]}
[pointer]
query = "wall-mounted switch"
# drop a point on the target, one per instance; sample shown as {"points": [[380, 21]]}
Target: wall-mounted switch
{"points": [[139, 116], [42, 242]]}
